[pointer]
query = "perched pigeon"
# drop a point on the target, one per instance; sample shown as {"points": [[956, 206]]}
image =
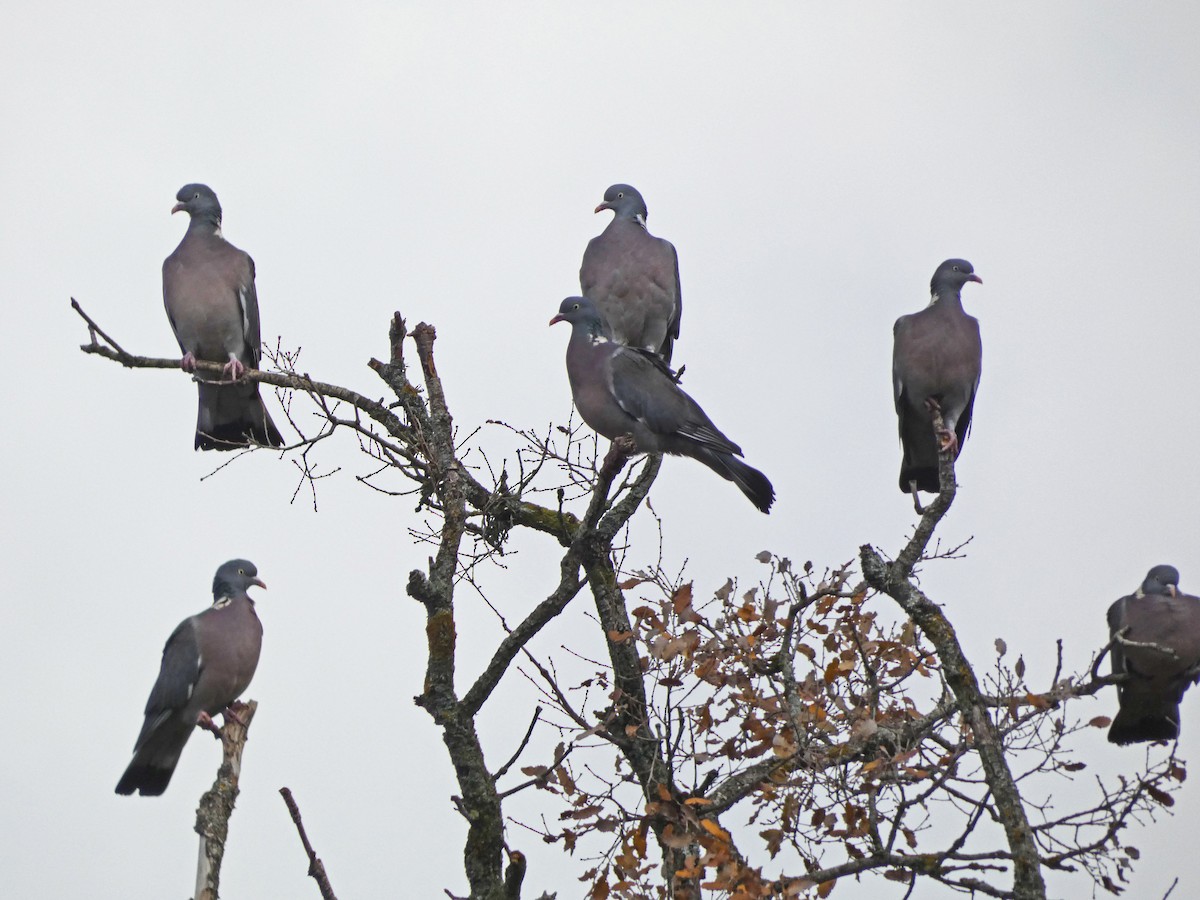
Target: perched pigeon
{"points": [[622, 390], [936, 360], [632, 276], [208, 289], [1157, 613], [206, 664]]}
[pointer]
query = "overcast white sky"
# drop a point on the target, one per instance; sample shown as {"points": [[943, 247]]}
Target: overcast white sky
{"points": [[812, 165]]}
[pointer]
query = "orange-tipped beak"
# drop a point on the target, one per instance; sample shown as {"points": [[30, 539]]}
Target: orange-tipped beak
{"points": [[975, 278], [262, 584], [177, 207], [603, 206], [557, 318]]}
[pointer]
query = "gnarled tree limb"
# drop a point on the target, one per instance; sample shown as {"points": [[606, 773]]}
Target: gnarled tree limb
{"points": [[216, 806], [895, 580]]}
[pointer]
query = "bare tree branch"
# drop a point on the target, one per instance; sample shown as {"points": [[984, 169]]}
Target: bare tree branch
{"points": [[895, 580], [316, 868], [216, 806], [801, 709]]}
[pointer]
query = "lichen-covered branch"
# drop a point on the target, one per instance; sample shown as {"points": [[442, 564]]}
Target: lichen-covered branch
{"points": [[484, 849], [216, 806], [895, 580], [568, 586]]}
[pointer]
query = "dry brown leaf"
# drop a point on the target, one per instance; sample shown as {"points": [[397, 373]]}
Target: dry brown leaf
{"points": [[714, 829]]}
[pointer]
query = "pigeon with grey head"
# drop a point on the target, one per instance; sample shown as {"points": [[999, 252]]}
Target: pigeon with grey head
{"points": [[206, 664], [622, 390], [633, 276], [208, 290], [937, 357], [1167, 623]]}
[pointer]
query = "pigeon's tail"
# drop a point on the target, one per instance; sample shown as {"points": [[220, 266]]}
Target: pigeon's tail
{"points": [[1137, 723], [154, 761], [753, 483], [920, 462], [147, 780], [231, 416], [926, 478]]}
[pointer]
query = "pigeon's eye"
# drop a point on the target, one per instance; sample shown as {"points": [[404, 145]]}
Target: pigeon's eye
{"points": [[241, 571], [957, 269], [195, 196], [620, 194]]}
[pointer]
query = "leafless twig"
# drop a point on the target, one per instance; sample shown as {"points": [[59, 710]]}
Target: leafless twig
{"points": [[316, 868]]}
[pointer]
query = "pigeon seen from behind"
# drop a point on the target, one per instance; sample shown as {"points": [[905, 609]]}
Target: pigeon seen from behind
{"points": [[937, 357], [1156, 614], [208, 290], [622, 390], [206, 664], [633, 276]]}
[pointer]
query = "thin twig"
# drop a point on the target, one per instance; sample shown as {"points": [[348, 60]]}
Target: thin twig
{"points": [[96, 329], [503, 770], [316, 868]]}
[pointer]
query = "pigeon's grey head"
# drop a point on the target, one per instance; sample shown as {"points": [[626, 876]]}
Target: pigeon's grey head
{"points": [[626, 202], [580, 312], [198, 201], [234, 577], [1161, 580], [951, 276]]}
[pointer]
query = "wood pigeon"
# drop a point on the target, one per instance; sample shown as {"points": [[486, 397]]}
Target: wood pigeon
{"points": [[936, 361], [1159, 614], [206, 664], [621, 390], [208, 289], [632, 276]]}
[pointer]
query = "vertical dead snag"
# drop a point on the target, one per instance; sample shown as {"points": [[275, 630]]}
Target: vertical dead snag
{"points": [[216, 806]]}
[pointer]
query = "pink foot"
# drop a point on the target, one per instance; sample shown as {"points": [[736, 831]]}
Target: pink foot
{"points": [[234, 369], [204, 720], [947, 441], [188, 363], [622, 448]]}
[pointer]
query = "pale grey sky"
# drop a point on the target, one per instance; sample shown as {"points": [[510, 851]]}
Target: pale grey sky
{"points": [[812, 165]]}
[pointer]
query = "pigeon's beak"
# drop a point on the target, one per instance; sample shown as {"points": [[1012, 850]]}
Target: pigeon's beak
{"points": [[603, 206], [177, 207], [262, 584], [975, 278], [558, 318], [1171, 590]]}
